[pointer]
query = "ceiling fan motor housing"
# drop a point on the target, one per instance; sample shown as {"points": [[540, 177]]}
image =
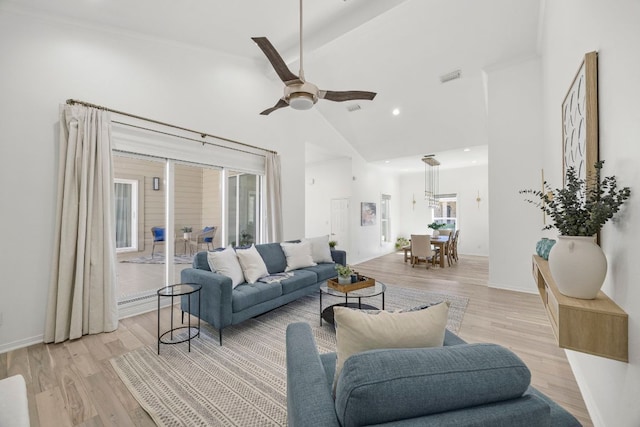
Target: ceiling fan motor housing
{"points": [[301, 96]]}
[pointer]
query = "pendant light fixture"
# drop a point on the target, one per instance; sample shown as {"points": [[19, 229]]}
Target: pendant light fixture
{"points": [[431, 179]]}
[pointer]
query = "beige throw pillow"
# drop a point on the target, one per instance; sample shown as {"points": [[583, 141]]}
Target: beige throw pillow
{"points": [[320, 251], [298, 255], [225, 262], [357, 331], [253, 265]]}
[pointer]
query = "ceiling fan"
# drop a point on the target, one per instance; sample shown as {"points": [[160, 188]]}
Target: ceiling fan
{"points": [[300, 94]]}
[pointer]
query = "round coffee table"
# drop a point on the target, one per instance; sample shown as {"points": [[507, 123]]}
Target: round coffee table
{"points": [[327, 314]]}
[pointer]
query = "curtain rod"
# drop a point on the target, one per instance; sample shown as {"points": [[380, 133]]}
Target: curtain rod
{"points": [[202, 134]]}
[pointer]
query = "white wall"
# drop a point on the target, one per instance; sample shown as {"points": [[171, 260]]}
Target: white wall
{"points": [[571, 29], [473, 218], [46, 62], [515, 159], [334, 179]]}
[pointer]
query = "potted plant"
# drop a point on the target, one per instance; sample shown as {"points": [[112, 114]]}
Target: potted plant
{"points": [[187, 232], [578, 211], [401, 242], [332, 244], [344, 274], [435, 226]]}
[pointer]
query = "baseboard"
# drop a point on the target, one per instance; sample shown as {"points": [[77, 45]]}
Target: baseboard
{"points": [[26, 342], [140, 305], [506, 288]]}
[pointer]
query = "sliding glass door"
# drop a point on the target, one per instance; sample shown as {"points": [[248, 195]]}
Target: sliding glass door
{"points": [[126, 200]]}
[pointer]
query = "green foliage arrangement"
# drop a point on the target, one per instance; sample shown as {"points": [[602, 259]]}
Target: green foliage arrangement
{"points": [[187, 229], [582, 207], [401, 242], [343, 270], [332, 244], [437, 225]]}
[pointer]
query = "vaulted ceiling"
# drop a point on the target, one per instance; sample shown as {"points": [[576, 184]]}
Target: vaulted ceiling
{"points": [[397, 48]]}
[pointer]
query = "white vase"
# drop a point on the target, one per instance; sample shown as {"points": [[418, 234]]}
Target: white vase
{"points": [[578, 266], [344, 280], [435, 233]]}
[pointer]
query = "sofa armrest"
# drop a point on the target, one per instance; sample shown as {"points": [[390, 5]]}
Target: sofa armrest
{"points": [[338, 256], [215, 296], [309, 400]]}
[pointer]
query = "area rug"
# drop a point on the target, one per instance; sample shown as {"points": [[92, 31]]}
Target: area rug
{"points": [[243, 382], [159, 259]]}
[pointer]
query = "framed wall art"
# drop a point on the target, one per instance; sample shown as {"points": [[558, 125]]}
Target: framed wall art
{"points": [[367, 213], [580, 120]]}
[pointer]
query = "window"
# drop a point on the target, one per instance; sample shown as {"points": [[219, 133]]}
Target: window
{"points": [[243, 208], [385, 222], [446, 210], [126, 195]]}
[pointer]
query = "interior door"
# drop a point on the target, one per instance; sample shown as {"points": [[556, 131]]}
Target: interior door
{"points": [[340, 223]]}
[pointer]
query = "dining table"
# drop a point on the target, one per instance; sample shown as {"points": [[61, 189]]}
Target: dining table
{"points": [[437, 241]]}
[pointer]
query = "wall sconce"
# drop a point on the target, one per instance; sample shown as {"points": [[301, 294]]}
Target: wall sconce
{"points": [[478, 199], [156, 183]]}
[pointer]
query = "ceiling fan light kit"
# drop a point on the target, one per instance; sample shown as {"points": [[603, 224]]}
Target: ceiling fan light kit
{"points": [[298, 93]]}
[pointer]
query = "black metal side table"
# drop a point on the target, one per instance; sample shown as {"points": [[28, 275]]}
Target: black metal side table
{"points": [[172, 336]]}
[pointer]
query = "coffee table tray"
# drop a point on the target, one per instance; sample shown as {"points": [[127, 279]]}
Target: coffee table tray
{"points": [[364, 282]]}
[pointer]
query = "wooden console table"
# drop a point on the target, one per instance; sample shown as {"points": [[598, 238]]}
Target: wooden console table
{"points": [[597, 326]]}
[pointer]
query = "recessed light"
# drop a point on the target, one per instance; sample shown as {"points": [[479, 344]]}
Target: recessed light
{"points": [[474, 161], [387, 161], [466, 150], [395, 111]]}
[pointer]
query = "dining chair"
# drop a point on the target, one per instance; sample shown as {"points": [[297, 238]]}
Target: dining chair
{"points": [[158, 237], [421, 250], [456, 237], [206, 236], [444, 232], [449, 250]]}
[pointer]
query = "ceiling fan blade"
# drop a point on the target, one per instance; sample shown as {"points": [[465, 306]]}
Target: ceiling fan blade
{"points": [[280, 104], [345, 95], [276, 61]]}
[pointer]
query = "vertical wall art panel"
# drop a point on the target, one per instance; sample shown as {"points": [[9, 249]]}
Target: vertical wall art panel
{"points": [[580, 120]]}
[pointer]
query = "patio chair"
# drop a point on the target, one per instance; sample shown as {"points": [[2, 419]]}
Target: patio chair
{"points": [[158, 237], [206, 236]]}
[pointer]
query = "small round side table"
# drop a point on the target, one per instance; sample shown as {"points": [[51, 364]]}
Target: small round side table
{"points": [[173, 291]]}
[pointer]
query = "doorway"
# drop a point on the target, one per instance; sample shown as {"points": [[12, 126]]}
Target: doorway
{"points": [[340, 223]]}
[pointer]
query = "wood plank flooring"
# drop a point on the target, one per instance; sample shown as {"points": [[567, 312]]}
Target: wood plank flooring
{"points": [[73, 383]]}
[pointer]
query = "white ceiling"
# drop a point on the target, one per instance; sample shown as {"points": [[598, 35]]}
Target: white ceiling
{"points": [[397, 48]]}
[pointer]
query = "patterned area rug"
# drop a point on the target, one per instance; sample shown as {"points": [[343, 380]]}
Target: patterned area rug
{"points": [[159, 259], [242, 383]]}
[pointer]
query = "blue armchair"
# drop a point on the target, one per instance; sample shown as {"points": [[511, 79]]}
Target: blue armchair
{"points": [[158, 237]]}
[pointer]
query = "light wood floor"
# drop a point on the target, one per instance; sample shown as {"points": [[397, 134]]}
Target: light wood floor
{"points": [[73, 383]]}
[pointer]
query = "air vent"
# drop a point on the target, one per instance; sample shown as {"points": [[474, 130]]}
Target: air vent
{"points": [[353, 107], [450, 76]]}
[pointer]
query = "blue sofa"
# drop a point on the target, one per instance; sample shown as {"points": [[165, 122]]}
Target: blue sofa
{"points": [[458, 385], [221, 305]]}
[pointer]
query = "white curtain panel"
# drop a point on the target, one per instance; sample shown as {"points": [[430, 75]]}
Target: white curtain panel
{"points": [[273, 197], [82, 292]]}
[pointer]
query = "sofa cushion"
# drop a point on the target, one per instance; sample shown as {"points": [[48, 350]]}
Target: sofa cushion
{"points": [[273, 257], [381, 386], [249, 294], [226, 262], [357, 331], [252, 264], [324, 271], [201, 261], [320, 250], [298, 255], [301, 279]]}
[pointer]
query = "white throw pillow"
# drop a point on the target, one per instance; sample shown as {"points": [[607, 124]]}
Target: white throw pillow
{"points": [[252, 264], [320, 251], [298, 255], [225, 262], [357, 331]]}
